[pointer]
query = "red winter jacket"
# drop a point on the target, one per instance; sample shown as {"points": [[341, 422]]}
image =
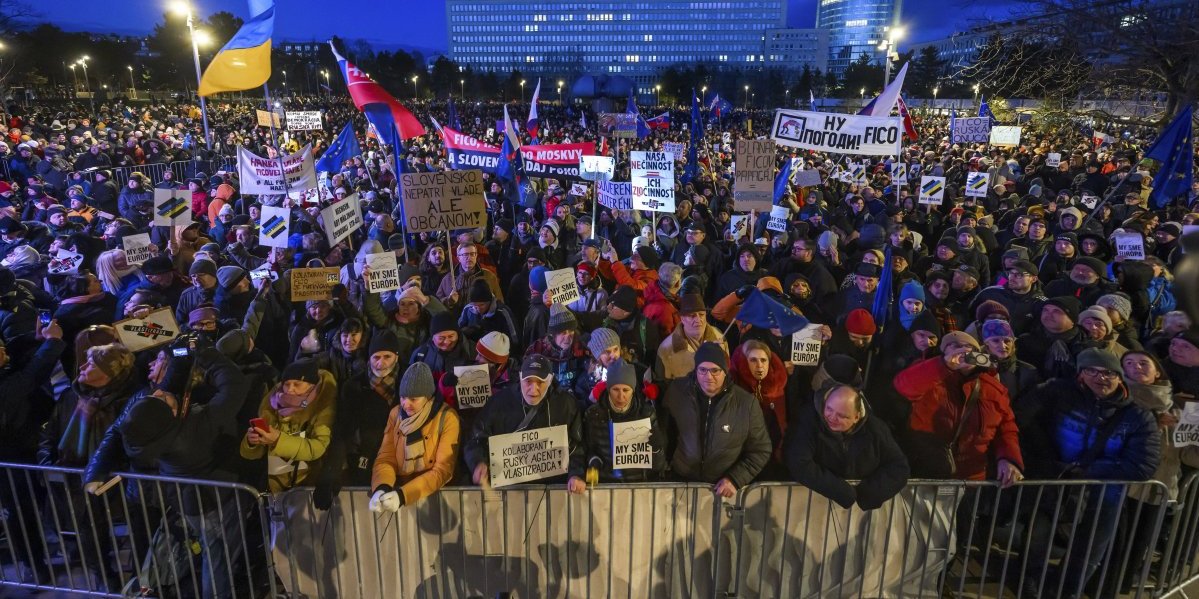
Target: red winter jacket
{"points": [[661, 310], [935, 409], [637, 279]]}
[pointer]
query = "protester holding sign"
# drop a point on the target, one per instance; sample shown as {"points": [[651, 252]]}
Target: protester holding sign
{"points": [[636, 456]]}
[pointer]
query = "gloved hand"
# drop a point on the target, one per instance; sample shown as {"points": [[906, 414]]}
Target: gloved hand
{"points": [[449, 379], [385, 501], [322, 496], [744, 291]]}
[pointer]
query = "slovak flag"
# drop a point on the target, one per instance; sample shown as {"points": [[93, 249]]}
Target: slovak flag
{"points": [[1101, 139], [719, 107], [909, 129], [531, 124], [662, 121], [383, 110]]}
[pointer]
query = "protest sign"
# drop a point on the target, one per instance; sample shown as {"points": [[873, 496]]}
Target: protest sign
{"points": [[970, 130], [157, 328], [304, 120], [465, 152], [1130, 245], [840, 133], [808, 178], [932, 190], [1186, 432], [557, 161], [383, 274], [1089, 200], [630, 445], [268, 119], [805, 346], [137, 248], [561, 286], [342, 219], [753, 180], [443, 201], [172, 208], [675, 148], [1005, 135], [274, 226], [618, 124], [615, 195], [261, 176], [314, 283], [977, 185], [597, 168], [528, 455], [739, 226], [726, 137], [65, 262], [899, 173], [474, 386], [653, 181], [858, 173], [1053, 160], [578, 189], [778, 218]]}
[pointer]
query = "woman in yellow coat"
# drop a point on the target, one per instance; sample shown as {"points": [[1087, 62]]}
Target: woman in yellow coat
{"points": [[420, 445], [299, 414]]}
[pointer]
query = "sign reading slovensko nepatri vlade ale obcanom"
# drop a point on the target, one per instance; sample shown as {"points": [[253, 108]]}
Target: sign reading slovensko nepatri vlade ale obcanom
{"points": [[443, 201]]}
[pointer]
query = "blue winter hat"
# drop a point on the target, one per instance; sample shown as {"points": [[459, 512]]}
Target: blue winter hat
{"points": [[912, 290], [537, 279]]}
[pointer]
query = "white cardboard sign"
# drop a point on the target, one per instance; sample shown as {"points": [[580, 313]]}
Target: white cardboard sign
{"points": [[529, 455]]}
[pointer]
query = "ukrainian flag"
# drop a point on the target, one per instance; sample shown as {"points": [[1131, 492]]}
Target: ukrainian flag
{"points": [[244, 62]]}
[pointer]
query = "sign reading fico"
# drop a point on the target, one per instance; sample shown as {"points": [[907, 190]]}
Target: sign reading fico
{"points": [[840, 133], [753, 184], [653, 181]]}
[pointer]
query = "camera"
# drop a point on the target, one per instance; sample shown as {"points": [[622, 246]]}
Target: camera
{"points": [[978, 359]]}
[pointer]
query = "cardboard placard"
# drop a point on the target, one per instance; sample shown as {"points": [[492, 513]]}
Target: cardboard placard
{"points": [[314, 283], [172, 208], [739, 226], [274, 226], [443, 201], [932, 190], [806, 178], [805, 346], [383, 272], [1005, 135], [157, 328], [65, 263], [1186, 432], [528, 455], [304, 120], [268, 119], [779, 215], [1053, 159], [652, 177], [561, 286], [474, 386], [137, 248], [1130, 245], [972, 129], [977, 185], [753, 180], [342, 218], [597, 168], [630, 445], [675, 148]]}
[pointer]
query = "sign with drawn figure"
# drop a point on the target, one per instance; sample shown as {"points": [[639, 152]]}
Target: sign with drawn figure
{"points": [[839, 133], [65, 262], [805, 346], [653, 181], [156, 328], [1130, 244], [528, 455], [561, 285], [383, 274], [474, 386], [739, 226], [631, 449]]}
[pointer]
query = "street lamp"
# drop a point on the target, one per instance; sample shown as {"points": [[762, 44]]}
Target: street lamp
{"points": [[132, 83], [862, 93], [522, 91], [703, 91], [747, 98], [185, 9], [87, 85], [975, 92], [328, 89], [786, 97], [560, 84], [889, 47], [284, 78], [414, 90], [462, 88], [74, 77], [657, 95]]}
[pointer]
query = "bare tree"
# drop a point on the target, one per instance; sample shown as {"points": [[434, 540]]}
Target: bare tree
{"points": [[15, 16]]}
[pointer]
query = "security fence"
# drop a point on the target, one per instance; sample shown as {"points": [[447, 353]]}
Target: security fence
{"points": [[194, 538]]}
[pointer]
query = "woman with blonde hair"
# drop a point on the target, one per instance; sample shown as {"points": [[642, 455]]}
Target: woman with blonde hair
{"points": [[115, 273]]}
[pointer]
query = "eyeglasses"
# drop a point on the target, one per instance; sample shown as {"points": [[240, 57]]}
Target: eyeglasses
{"points": [[709, 371], [1018, 274], [797, 249], [1100, 373], [466, 254]]}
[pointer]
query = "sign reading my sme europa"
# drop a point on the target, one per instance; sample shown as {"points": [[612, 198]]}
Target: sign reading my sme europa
{"points": [[443, 201]]}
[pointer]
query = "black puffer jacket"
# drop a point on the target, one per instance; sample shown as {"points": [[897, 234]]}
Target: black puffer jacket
{"points": [[824, 460], [504, 413], [713, 438], [597, 439]]}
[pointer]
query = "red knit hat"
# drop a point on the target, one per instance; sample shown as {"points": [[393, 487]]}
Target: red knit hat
{"points": [[860, 322]]}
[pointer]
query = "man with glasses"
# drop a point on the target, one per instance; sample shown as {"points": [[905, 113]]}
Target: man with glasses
{"points": [[1020, 294], [1084, 427], [201, 291], [802, 261], [453, 290]]}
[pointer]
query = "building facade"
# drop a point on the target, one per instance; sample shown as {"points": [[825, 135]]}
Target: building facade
{"points": [[794, 49], [855, 27]]}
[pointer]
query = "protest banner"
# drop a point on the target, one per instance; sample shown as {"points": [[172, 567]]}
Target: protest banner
{"points": [[778, 218], [342, 218], [383, 272], [314, 283], [561, 285], [261, 176], [465, 152], [1186, 432], [977, 185], [1005, 135], [970, 130], [274, 226], [753, 180], [1130, 245], [805, 346], [304, 120], [1053, 159], [157, 328], [899, 173], [172, 208], [621, 125], [578, 189], [596, 168], [653, 181], [268, 119], [630, 445], [676, 148], [557, 161], [443, 201], [65, 262], [617, 195], [137, 248], [839, 133], [932, 190], [528, 455], [807, 178], [474, 386], [739, 226]]}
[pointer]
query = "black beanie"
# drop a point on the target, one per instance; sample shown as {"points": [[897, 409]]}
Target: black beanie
{"points": [[480, 291], [302, 370], [442, 322], [385, 340], [148, 419], [711, 352]]}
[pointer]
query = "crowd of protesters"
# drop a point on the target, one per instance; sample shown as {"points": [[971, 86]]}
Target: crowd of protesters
{"points": [[1019, 344]]}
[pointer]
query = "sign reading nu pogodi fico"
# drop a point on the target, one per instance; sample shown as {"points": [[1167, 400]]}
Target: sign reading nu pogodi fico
{"points": [[839, 133]]}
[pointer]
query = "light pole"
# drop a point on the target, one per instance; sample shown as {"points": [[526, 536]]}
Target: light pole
{"points": [[132, 83], [414, 90], [975, 92], [657, 94], [462, 88], [75, 78], [328, 90], [703, 92], [87, 85], [935, 90], [522, 91], [747, 98], [862, 93], [786, 97], [889, 47], [284, 80], [185, 9], [560, 83]]}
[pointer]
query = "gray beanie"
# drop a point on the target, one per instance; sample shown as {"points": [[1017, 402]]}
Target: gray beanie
{"points": [[561, 320], [1118, 302], [417, 381], [1094, 357], [229, 276], [602, 339], [202, 267], [622, 373]]}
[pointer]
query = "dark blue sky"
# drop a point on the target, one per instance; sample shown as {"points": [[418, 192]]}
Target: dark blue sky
{"points": [[421, 23]]}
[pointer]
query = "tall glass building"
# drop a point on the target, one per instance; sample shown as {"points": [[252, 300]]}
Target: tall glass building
{"points": [[634, 39], [855, 27]]}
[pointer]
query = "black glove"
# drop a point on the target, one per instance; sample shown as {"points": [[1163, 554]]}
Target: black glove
{"points": [[323, 494], [744, 291], [449, 379]]}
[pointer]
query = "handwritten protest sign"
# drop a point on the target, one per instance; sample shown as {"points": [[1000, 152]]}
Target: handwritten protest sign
{"points": [[172, 208], [65, 262], [157, 328], [268, 119], [932, 190], [383, 274], [805, 346], [260, 175], [1186, 432], [274, 226], [1130, 245], [527, 455], [313, 283], [616, 195], [970, 130], [474, 386], [652, 177], [561, 285], [977, 185], [753, 182], [137, 248], [304, 120], [630, 445], [443, 201], [1005, 135], [674, 148], [342, 219]]}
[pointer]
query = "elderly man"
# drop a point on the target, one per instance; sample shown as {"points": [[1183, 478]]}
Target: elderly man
{"points": [[675, 354]]}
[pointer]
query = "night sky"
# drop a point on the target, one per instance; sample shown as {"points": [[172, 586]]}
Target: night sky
{"points": [[421, 24]]}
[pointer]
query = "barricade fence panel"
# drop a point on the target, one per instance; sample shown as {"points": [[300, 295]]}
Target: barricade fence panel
{"points": [[1178, 567]]}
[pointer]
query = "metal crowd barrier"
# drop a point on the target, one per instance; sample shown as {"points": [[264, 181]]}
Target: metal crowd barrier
{"points": [[181, 169], [934, 539]]}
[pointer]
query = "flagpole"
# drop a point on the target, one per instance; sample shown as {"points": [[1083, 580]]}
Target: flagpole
{"points": [[266, 92]]}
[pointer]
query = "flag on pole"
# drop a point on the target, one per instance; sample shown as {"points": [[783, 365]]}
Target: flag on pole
{"points": [[811, 101], [531, 123], [762, 311], [342, 149], [697, 135], [884, 102], [1101, 139], [662, 121], [583, 119], [984, 109], [782, 180], [510, 168], [909, 128], [452, 115], [631, 108], [245, 61], [718, 107], [881, 309], [380, 107], [1175, 149]]}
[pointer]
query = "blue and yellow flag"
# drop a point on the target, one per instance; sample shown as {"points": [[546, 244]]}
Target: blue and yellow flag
{"points": [[245, 62]]}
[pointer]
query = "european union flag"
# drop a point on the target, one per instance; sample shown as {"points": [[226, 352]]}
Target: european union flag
{"points": [[1174, 149], [697, 136], [631, 108], [984, 109], [342, 149], [781, 181], [763, 312], [883, 297], [452, 116]]}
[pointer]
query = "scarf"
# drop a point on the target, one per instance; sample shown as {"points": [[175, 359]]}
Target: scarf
{"points": [[414, 441], [95, 410], [287, 404], [907, 318], [384, 385]]}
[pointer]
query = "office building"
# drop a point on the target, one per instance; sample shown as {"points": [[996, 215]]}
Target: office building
{"points": [[855, 27], [794, 49]]}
